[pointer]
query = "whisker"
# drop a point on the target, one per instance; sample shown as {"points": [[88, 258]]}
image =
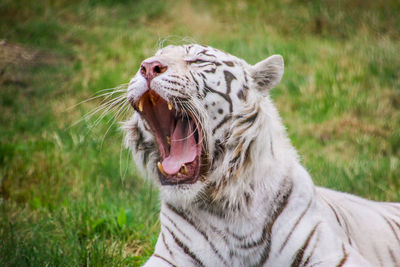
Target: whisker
{"points": [[121, 107], [118, 89], [104, 106], [116, 104], [101, 117], [123, 173]]}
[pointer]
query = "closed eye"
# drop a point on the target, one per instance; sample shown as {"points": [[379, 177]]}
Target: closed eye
{"points": [[197, 61]]}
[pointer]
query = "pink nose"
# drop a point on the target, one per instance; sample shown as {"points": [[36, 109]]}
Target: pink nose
{"points": [[152, 69]]}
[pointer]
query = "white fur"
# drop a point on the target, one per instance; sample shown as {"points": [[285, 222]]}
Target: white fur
{"points": [[344, 230]]}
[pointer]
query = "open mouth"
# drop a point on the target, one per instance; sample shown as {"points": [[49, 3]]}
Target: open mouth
{"points": [[178, 137]]}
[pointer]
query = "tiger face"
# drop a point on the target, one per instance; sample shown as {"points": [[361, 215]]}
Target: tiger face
{"points": [[188, 100]]}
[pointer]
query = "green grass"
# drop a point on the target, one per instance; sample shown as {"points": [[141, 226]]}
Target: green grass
{"points": [[69, 196]]}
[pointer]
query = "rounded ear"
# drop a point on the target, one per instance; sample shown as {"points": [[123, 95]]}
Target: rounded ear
{"points": [[268, 73]]}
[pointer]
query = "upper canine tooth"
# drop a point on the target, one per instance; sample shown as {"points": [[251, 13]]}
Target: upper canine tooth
{"points": [[161, 169], [168, 140], [152, 99], [140, 105], [169, 106]]}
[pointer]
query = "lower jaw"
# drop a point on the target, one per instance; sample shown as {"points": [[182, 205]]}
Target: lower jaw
{"points": [[176, 180], [192, 175]]}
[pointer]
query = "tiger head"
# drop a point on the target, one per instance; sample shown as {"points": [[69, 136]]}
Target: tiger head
{"points": [[196, 114]]}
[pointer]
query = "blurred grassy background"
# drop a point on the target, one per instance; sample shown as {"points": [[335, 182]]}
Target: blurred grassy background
{"points": [[70, 196]]}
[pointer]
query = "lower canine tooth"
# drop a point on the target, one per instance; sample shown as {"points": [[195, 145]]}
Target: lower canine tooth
{"points": [[184, 169], [160, 168], [169, 106]]}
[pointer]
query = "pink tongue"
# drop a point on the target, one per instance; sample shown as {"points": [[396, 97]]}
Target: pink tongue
{"points": [[183, 147]]}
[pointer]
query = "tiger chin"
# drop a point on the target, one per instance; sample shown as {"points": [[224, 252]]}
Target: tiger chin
{"points": [[233, 191]]}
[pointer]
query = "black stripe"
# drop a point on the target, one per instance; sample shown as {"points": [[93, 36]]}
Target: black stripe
{"points": [[389, 222], [219, 149], [211, 70], [183, 216], [229, 77], [165, 244], [396, 223], [238, 149], [393, 257], [225, 96], [228, 63], [180, 214], [164, 259], [391, 227], [295, 226], [346, 226], [220, 234], [194, 79], [377, 256], [140, 138], [354, 222], [142, 145], [147, 148], [176, 227], [198, 61], [310, 255], [204, 52], [344, 259], [224, 120], [334, 211], [245, 76], [216, 209], [272, 147], [247, 158], [250, 119], [248, 199], [300, 253], [237, 237], [242, 95], [281, 200], [173, 82], [179, 90], [185, 248]]}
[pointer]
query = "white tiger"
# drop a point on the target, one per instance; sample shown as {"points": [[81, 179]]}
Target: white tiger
{"points": [[233, 192]]}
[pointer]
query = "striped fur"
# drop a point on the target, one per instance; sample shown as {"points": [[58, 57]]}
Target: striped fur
{"points": [[254, 204]]}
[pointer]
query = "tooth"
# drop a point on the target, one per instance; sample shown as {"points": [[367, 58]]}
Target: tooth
{"points": [[179, 174], [184, 169], [152, 99], [169, 106], [168, 140], [140, 105], [160, 168]]}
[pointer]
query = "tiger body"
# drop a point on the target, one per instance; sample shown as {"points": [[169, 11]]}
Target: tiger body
{"points": [[233, 191]]}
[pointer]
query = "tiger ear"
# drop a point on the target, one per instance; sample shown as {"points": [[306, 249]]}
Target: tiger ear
{"points": [[268, 73]]}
